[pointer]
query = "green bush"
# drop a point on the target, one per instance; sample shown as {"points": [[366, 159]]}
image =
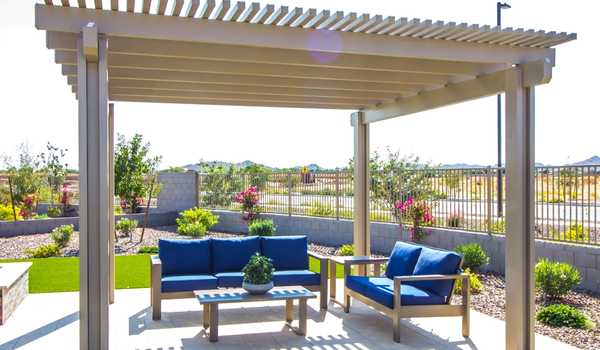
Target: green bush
{"points": [[320, 209], [455, 220], [6, 213], [61, 235], [576, 233], [474, 256], [262, 227], [498, 226], [148, 250], [54, 212], [44, 251], [195, 222], [475, 285], [346, 250], [126, 226], [561, 315], [259, 270], [555, 279]]}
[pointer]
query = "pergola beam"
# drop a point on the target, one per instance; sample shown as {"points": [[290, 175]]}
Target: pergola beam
{"points": [[134, 25]]}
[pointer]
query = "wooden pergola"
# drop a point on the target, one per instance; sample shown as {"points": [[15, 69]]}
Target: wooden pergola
{"points": [[252, 55]]}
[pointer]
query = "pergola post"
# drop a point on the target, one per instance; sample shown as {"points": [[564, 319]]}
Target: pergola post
{"points": [[362, 236], [520, 243], [94, 211], [111, 199]]}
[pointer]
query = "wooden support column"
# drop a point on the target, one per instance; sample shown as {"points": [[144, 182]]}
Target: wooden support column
{"points": [[520, 243], [111, 199], [362, 236], [94, 185]]}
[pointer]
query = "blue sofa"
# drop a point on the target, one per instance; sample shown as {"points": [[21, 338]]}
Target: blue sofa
{"points": [[418, 282], [183, 266]]}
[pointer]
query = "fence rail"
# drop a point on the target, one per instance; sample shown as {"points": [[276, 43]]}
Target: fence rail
{"points": [[566, 202]]}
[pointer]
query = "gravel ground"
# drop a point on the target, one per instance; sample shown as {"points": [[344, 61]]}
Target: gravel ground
{"points": [[490, 301]]}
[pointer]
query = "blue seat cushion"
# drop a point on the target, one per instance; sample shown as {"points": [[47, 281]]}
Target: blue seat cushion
{"points": [[229, 279], [232, 254], [402, 260], [433, 261], [184, 256], [381, 290], [187, 283], [296, 277], [287, 252]]}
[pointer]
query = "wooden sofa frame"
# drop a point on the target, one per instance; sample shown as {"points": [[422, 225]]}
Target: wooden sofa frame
{"points": [[156, 296], [406, 311]]}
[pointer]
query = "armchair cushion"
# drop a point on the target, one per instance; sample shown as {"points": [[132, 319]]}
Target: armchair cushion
{"points": [[229, 279], [184, 256], [296, 277], [187, 283], [287, 252], [433, 261], [402, 260], [232, 254], [381, 290]]}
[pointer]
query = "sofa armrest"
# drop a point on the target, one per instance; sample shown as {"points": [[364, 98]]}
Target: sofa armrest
{"points": [[317, 255], [155, 286], [155, 268]]}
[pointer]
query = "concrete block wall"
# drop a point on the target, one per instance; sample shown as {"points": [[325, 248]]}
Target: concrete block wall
{"points": [[383, 237], [179, 191]]}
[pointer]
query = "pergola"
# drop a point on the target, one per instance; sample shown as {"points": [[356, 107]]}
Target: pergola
{"points": [[185, 51]]}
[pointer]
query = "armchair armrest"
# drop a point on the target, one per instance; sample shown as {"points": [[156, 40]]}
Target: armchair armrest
{"points": [[430, 277], [364, 260]]}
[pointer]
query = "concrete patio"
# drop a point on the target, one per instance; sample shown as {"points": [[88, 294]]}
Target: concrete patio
{"points": [[51, 321]]}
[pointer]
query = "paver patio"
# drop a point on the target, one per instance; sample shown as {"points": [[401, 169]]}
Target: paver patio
{"points": [[50, 321]]}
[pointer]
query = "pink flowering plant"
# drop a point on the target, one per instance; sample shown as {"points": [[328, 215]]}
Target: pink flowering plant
{"points": [[418, 212], [249, 199], [28, 206]]}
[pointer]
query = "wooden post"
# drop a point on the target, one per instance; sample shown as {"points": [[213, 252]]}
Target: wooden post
{"points": [[362, 237]]}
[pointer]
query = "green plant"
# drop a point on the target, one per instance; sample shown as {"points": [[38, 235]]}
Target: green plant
{"points": [[455, 220], [346, 250], [498, 226], [52, 162], [117, 210], [126, 226], [61, 235], [561, 315], [555, 279], [576, 232], [148, 250], [259, 270], [219, 184], [26, 178], [6, 213], [320, 209], [44, 251], [474, 256], [475, 285], [195, 222], [54, 212], [262, 227]]}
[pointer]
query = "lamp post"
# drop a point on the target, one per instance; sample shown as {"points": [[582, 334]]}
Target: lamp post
{"points": [[499, 7]]}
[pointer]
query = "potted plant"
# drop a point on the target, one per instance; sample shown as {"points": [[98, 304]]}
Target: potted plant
{"points": [[258, 275]]}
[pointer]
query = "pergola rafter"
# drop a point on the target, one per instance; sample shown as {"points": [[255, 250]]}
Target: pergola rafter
{"points": [[238, 54]]}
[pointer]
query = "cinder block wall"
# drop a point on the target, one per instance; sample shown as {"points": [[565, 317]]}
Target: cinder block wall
{"points": [[179, 191], [383, 236]]}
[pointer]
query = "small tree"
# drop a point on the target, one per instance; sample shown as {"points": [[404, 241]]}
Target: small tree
{"points": [[132, 165], [26, 178], [220, 184], [52, 165]]}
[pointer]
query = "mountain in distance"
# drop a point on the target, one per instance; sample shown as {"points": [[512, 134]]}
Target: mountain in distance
{"points": [[595, 160]]}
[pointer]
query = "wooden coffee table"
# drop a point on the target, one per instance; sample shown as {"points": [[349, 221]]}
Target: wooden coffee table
{"points": [[210, 300]]}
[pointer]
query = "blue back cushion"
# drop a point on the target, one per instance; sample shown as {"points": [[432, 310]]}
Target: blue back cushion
{"points": [[287, 252], [232, 254], [184, 256], [402, 260], [432, 261]]}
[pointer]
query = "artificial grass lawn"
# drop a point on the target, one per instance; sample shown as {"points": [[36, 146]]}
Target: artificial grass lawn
{"points": [[132, 271]]}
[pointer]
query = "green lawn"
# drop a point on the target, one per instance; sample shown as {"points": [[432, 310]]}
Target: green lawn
{"points": [[132, 271]]}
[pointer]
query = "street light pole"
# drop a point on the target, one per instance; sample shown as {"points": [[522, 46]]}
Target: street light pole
{"points": [[499, 7]]}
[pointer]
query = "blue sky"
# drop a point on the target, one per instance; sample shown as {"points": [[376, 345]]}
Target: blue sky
{"points": [[38, 106]]}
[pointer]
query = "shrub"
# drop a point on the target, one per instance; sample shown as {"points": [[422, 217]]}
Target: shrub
{"points": [[195, 222], [259, 270], [475, 285], [455, 220], [576, 232], [148, 250], [126, 226], [555, 279], [474, 256], [62, 235], [561, 315], [262, 227], [6, 213], [346, 250], [498, 226], [44, 251], [320, 209], [54, 212]]}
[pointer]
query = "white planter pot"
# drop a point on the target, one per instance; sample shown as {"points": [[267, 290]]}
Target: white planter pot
{"points": [[257, 288]]}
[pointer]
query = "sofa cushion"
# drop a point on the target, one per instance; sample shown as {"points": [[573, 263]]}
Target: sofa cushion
{"points": [[402, 260], [232, 254], [184, 256], [287, 252], [296, 277], [433, 261], [187, 283], [381, 290], [229, 279]]}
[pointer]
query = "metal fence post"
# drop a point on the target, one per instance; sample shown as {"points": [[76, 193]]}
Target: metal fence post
{"points": [[337, 194], [489, 200], [289, 190]]}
